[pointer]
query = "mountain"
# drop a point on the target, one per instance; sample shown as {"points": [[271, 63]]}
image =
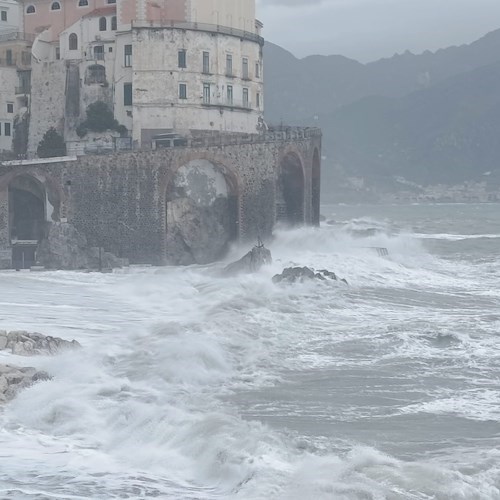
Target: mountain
{"points": [[447, 132], [427, 119], [297, 89]]}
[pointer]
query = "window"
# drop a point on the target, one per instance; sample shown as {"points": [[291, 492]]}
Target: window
{"points": [[30, 9], [10, 107], [73, 42], [182, 91], [206, 93], [113, 23], [102, 24], [111, 1], [3, 15], [26, 57], [257, 70], [127, 94], [8, 57], [99, 52], [95, 74], [7, 129], [110, 49], [245, 68], [257, 100], [230, 94], [58, 53], [206, 62], [55, 6], [181, 57], [127, 62], [229, 65], [245, 98], [83, 3]]}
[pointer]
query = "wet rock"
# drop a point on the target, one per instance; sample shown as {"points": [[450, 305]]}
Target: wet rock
{"points": [[251, 262], [13, 379], [66, 248], [301, 274], [24, 343], [197, 234]]}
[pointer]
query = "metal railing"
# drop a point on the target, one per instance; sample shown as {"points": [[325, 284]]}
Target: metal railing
{"points": [[209, 28], [23, 89]]}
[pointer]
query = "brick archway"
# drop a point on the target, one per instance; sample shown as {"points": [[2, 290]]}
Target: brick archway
{"points": [[290, 190], [201, 211]]}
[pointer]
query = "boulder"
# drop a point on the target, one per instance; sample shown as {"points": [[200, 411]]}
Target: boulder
{"points": [[66, 248], [24, 343], [301, 274], [13, 379], [251, 262]]}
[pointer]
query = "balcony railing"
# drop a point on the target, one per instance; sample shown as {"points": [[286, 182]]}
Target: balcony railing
{"points": [[229, 103], [209, 28], [23, 89]]}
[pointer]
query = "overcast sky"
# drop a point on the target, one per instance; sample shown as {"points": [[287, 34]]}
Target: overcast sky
{"points": [[370, 29]]}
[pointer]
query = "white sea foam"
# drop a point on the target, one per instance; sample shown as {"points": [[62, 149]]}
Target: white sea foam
{"points": [[194, 386]]}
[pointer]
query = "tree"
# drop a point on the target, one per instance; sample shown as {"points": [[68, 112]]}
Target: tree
{"points": [[99, 119], [52, 144]]}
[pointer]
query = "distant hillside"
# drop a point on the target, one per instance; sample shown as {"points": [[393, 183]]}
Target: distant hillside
{"points": [[297, 89], [430, 118], [449, 132]]}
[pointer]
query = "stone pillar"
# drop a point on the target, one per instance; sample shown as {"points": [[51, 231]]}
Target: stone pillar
{"points": [[5, 249]]}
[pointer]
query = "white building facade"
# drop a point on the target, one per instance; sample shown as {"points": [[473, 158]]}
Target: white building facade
{"points": [[178, 68], [10, 16]]}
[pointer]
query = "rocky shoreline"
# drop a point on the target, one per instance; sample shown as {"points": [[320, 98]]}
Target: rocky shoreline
{"points": [[21, 343]]}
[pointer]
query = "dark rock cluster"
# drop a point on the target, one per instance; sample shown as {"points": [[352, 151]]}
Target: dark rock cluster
{"points": [[301, 274], [24, 343], [21, 343]]}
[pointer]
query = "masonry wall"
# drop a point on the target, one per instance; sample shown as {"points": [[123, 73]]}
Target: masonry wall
{"points": [[48, 98], [119, 201]]}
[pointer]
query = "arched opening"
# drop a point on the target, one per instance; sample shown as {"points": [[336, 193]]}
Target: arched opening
{"points": [[316, 187], [55, 6], [202, 214], [290, 191], [73, 41], [30, 9], [96, 73], [102, 24], [27, 219]]}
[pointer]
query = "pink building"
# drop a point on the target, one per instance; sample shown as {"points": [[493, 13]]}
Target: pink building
{"points": [[57, 15]]}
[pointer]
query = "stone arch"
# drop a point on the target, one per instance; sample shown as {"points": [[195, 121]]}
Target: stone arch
{"points": [[33, 201], [202, 211], [316, 186], [290, 192]]}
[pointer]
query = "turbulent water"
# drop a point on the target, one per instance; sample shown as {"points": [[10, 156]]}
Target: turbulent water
{"points": [[194, 386]]}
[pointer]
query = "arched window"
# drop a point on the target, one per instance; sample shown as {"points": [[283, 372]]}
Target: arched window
{"points": [[55, 6], [113, 23], [73, 42], [30, 9], [83, 3], [102, 24]]}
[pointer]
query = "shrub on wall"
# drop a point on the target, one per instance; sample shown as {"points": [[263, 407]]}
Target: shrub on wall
{"points": [[99, 119], [52, 144]]}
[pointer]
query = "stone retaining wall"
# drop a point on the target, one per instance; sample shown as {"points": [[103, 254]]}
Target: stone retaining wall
{"points": [[118, 201]]}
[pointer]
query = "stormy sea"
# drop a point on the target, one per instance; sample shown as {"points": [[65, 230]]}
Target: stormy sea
{"points": [[190, 385]]}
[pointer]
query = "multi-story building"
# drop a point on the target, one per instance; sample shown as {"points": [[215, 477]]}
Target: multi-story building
{"points": [[165, 68], [15, 60]]}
